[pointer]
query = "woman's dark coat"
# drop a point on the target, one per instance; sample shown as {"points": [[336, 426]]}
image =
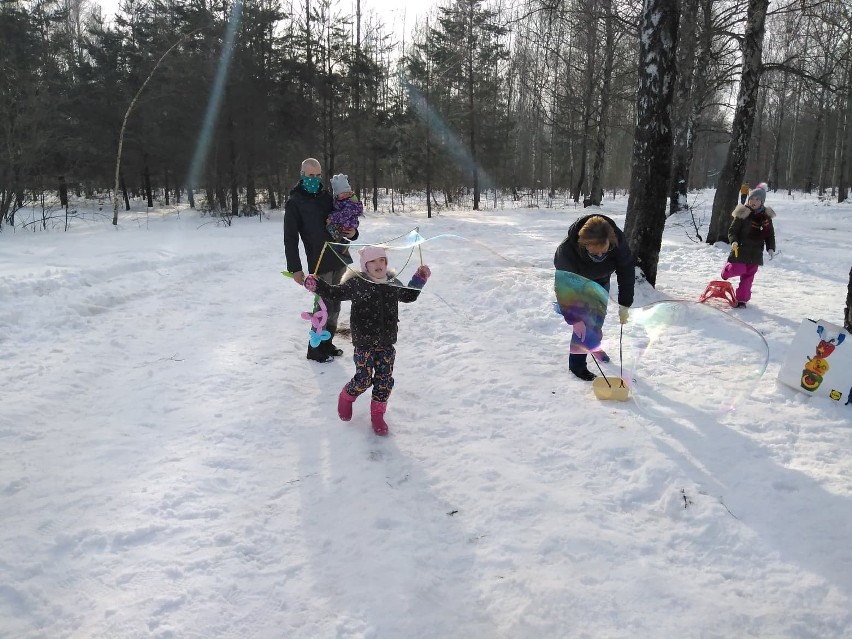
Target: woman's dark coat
{"points": [[572, 257]]}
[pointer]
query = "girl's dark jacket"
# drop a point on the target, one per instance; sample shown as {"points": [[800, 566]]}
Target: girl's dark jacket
{"points": [[305, 216], [374, 316], [572, 257], [751, 230]]}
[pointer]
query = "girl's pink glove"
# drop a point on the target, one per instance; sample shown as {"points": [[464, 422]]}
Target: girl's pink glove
{"points": [[311, 283]]}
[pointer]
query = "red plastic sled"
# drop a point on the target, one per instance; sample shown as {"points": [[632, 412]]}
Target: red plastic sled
{"points": [[721, 289]]}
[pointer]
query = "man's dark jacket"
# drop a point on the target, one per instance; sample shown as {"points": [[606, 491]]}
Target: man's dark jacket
{"points": [[305, 216]]}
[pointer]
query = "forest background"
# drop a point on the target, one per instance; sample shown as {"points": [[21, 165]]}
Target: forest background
{"points": [[525, 97]]}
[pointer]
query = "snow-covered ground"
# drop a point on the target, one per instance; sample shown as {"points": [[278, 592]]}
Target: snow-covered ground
{"points": [[173, 466]]}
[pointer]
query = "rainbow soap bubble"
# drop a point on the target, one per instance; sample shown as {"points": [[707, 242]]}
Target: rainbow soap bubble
{"points": [[687, 358], [581, 300], [466, 294]]}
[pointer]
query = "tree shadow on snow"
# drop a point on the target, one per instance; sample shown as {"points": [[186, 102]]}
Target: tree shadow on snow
{"points": [[792, 512]]}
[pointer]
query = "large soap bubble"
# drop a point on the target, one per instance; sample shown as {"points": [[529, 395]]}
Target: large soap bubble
{"points": [[687, 357], [404, 253], [581, 300]]}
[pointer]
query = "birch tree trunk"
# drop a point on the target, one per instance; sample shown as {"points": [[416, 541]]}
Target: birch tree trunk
{"points": [[847, 321], [839, 128], [684, 111], [791, 152], [596, 190], [652, 142], [810, 181], [757, 140], [471, 84], [772, 179], [359, 157], [843, 167], [731, 176], [588, 97], [330, 102], [428, 127], [146, 178]]}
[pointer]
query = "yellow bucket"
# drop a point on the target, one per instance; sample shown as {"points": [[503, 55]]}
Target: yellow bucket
{"points": [[611, 388]]}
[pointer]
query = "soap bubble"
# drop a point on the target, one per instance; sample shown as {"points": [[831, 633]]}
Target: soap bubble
{"points": [[687, 358]]}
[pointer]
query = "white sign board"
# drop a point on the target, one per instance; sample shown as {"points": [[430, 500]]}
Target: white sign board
{"points": [[819, 361]]}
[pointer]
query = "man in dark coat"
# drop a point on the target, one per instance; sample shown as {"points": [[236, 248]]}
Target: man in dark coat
{"points": [[595, 248], [305, 217]]}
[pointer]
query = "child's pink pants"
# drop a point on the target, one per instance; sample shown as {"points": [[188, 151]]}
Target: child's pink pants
{"points": [[746, 273]]}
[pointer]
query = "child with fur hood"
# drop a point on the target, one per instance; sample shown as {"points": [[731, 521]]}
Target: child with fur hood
{"points": [[375, 294], [751, 229]]}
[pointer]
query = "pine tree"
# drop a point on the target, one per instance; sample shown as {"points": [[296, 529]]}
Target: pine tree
{"points": [[466, 52]]}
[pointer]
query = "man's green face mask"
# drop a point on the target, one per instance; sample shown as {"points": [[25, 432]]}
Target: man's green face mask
{"points": [[311, 183]]}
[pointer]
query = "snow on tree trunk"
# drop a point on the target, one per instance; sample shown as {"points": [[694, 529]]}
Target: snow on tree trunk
{"points": [[731, 177], [652, 141]]}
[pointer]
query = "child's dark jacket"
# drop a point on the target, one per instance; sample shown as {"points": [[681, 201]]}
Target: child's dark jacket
{"points": [[751, 230], [374, 316]]}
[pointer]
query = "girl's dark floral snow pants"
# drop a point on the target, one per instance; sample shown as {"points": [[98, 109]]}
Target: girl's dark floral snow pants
{"points": [[373, 367]]}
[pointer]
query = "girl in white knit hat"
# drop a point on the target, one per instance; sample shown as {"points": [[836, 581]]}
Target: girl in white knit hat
{"points": [[375, 294]]}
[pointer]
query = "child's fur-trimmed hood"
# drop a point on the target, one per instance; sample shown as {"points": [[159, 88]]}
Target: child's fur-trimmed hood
{"points": [[742, 211], [353, 272]]}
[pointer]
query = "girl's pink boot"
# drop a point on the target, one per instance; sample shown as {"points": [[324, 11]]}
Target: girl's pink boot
{"points": [[344, 405], [377, 417]]}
